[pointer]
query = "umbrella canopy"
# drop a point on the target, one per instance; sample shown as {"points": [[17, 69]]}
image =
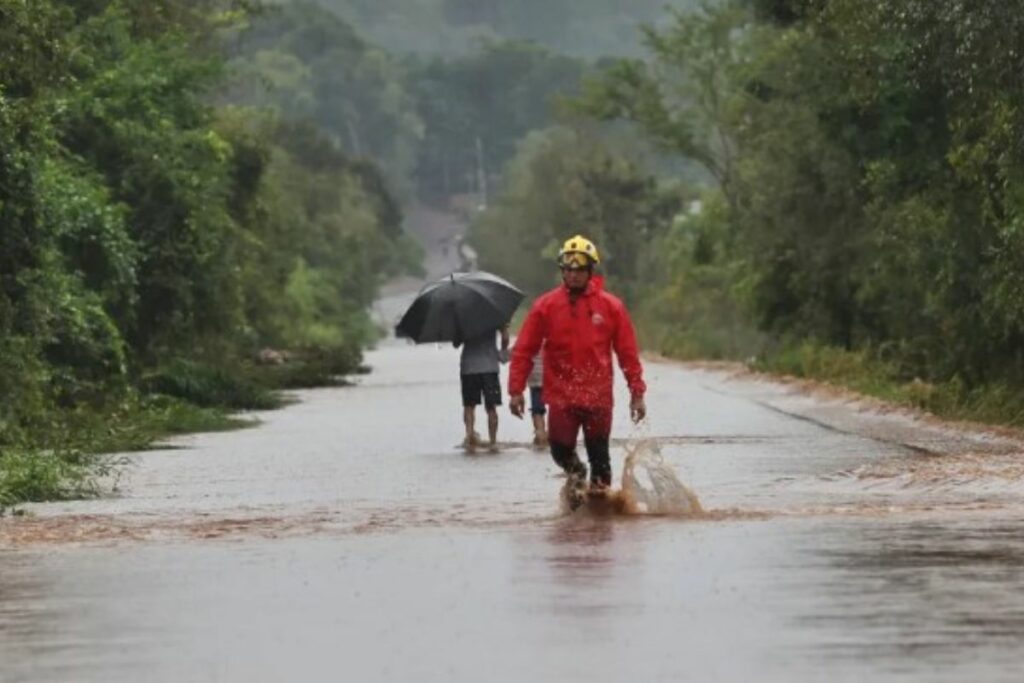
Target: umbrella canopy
{"points": [[458, 307]]}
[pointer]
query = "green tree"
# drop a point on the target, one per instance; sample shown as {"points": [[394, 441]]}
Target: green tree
{"points": [[866, 152], [562, 182], [477, 108], [307, 62]]}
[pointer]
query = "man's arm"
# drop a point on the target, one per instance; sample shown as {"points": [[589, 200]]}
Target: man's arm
{"points": [[628, 352], [503, 354]]}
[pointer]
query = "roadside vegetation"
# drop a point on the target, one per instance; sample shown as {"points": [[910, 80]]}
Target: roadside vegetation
{"points": [[154, 246], [857, 209], [200, 198]]}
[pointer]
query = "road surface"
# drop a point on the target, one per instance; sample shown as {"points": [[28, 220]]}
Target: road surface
{"points": [[349, 538]]}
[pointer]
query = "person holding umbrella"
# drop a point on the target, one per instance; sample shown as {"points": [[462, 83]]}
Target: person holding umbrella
{"points": [[576, 326], [478, 371], [470, 310]]}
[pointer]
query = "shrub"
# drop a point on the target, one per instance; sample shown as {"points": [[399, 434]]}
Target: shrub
{"points": [[211, 386]]}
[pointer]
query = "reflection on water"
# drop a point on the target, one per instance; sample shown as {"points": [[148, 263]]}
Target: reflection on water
{"points": [[949, 593], [582, 548], [21, 607], [584, 563]]}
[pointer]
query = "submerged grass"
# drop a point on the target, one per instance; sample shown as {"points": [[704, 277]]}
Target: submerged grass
{"points": [[65, 453], [140, 425], [46, 475], [83, 451], [207, 385]]}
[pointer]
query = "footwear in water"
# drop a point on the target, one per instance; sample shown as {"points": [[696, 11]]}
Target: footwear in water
{"points": [[575, 490], [599, 489]]}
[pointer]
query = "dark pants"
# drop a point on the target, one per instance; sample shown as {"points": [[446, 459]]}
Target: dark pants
{"points": [[564, 424]]}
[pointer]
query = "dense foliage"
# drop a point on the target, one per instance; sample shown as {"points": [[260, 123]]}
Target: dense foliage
{"points": [[187, 185], [564, 177], [836, 188], [869, 160], [437, 125], [310, 64], [151, 244], [866, 187], [477, 108]]}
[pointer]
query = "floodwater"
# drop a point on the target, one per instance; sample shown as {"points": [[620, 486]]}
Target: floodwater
{"points": [[349, 538]]}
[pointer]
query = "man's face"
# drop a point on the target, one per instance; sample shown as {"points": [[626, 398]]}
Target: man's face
{"points": [[576, 279]]}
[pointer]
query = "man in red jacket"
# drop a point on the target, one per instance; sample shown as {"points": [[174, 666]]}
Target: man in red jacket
{"points": [[576, 326]]}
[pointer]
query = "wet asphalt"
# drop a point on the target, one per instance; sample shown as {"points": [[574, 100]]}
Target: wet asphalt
{"points": [[349, 537]]}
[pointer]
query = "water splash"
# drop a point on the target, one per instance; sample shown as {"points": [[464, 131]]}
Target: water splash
{"points": [[649, 487]]}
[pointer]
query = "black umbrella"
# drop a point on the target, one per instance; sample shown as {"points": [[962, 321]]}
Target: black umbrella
{"points": [[459, 306]]}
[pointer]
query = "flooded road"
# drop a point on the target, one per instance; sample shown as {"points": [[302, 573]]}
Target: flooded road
{"points": [[348, 537]]}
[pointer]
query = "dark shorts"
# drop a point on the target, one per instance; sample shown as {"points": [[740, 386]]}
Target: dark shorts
{"points": [[537, 406], [484, 384]]}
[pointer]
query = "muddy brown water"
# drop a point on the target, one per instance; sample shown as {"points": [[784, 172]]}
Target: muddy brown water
{"points": [[348, 538]]}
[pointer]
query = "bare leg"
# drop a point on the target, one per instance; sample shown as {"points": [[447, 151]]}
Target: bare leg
{"points": [[492, 426], [540, 433], [469, 419]]}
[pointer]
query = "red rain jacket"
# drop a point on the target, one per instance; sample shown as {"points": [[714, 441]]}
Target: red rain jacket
{"points": [[577, 341]]}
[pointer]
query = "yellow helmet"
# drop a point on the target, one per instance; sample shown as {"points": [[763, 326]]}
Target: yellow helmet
{"points": [[578, 252]]}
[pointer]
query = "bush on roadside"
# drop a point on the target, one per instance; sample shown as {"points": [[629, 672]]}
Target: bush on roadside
{"points": [[869, 373], [40, 475], [208, 385]]}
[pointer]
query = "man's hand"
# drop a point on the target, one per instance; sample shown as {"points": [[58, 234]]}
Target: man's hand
{"points": [[517, 404], [637, 408]]}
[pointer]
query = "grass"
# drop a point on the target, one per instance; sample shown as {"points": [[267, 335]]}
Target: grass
{"points": [[152, 418], [209, 385], [66, 453], [715, 332], [993, 404], [85, 450], [42, 475]]}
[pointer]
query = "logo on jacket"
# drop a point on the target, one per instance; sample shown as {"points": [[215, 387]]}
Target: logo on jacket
{"points": [[597, 319]]}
